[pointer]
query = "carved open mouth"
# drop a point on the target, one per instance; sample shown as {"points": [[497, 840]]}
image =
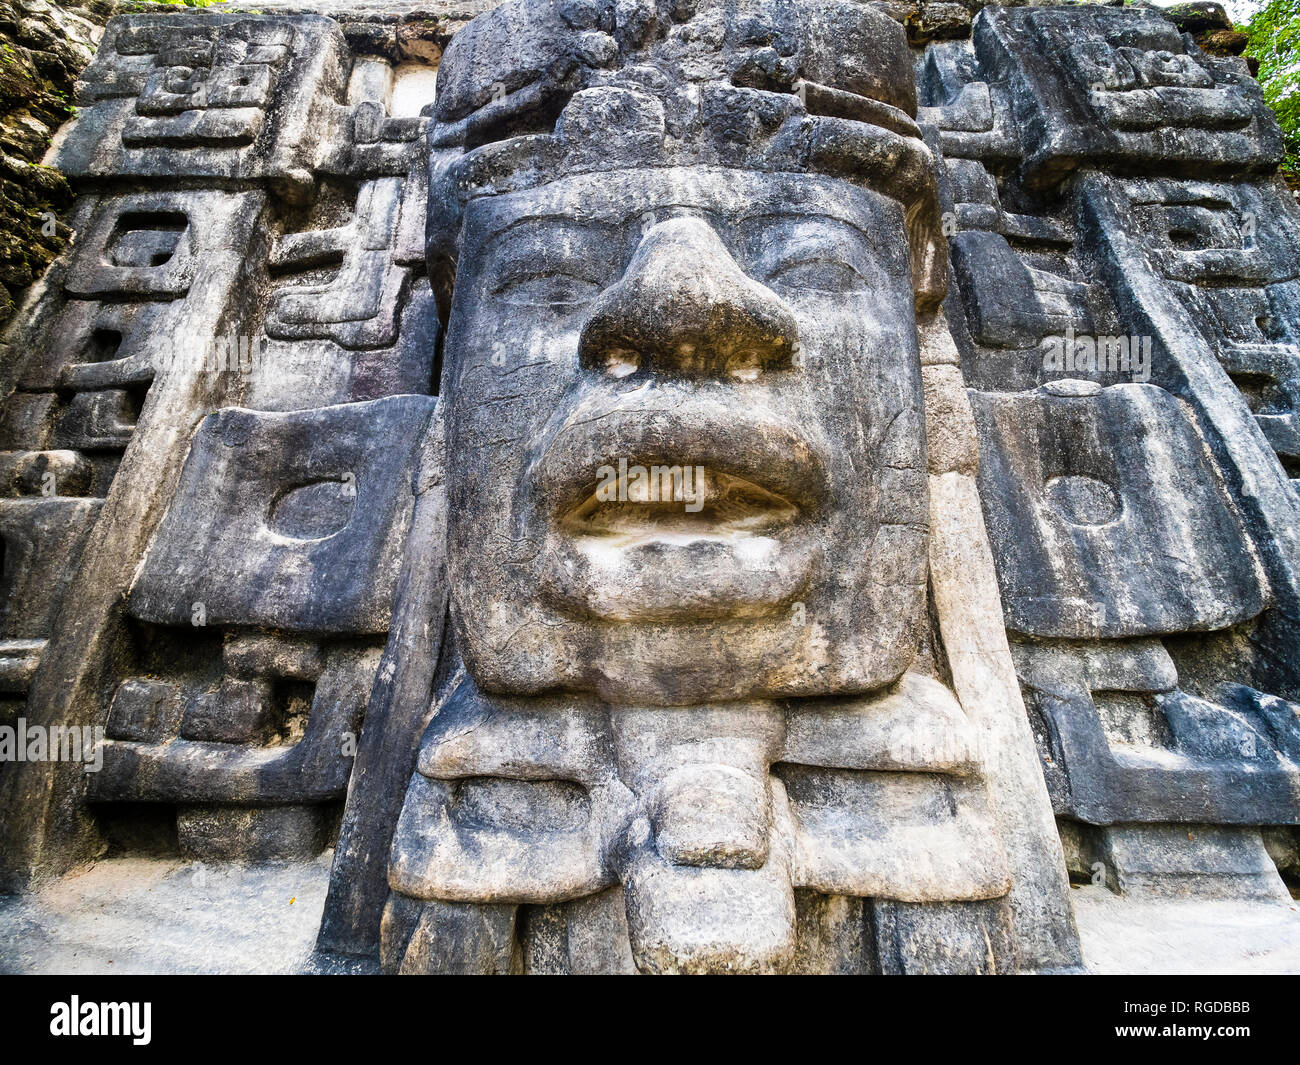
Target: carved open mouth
{"points": [[706, 543], [677, 504]]}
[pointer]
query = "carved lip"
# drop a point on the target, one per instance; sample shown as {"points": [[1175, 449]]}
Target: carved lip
{"points": [[745, 552], [698, 469]]}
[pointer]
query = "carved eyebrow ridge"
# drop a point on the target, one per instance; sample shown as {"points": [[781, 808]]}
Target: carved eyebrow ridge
{"points": [[745, 217]]}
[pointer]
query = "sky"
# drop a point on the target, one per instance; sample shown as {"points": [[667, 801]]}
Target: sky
{"points": [[1238, 10]]}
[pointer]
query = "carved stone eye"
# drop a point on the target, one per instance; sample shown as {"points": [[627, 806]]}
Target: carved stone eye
{"points": [[557, 290], [1082, 500], [314, 510], [818, 275]]}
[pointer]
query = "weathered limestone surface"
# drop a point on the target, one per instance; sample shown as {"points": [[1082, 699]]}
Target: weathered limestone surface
{"points": [[1127, 314], [740, 486]]}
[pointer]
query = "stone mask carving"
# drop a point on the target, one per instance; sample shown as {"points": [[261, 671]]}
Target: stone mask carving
{"points": [[568, 483], [613, 321], [687, 477], [680, 288]]}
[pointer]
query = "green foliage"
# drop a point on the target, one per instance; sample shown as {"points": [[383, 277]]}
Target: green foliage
{"points": [[1274, 34]]}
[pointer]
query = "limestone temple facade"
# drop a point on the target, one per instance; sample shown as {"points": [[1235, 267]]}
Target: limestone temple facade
{"points": [[722, 486]]}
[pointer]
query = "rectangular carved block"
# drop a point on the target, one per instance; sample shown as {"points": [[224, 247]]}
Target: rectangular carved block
{"points": [[208, 96], [292, 521], [42, 540], [250, 834], [1118, 87], [145, 710]]}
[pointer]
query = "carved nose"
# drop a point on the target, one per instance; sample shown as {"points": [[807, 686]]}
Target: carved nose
{"points": [[683, 306]]}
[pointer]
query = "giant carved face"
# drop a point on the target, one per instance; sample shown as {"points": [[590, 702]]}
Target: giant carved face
{"points": [[754, 330]]}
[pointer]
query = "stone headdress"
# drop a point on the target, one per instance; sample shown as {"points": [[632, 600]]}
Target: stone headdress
{"points": [[540, 89]]}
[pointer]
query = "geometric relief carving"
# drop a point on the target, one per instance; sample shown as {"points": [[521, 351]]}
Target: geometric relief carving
{"points": [[215, 96], [263, 560], [132, 297], [1228, 252], [1147, 544], [1121, 89], [359, 306], [1116, 525], [258, 738], [303, 515], [1124, 743], [188, 122]]}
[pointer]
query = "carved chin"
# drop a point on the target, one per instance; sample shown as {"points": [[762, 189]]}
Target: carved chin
{"points": [[678, 575]]}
